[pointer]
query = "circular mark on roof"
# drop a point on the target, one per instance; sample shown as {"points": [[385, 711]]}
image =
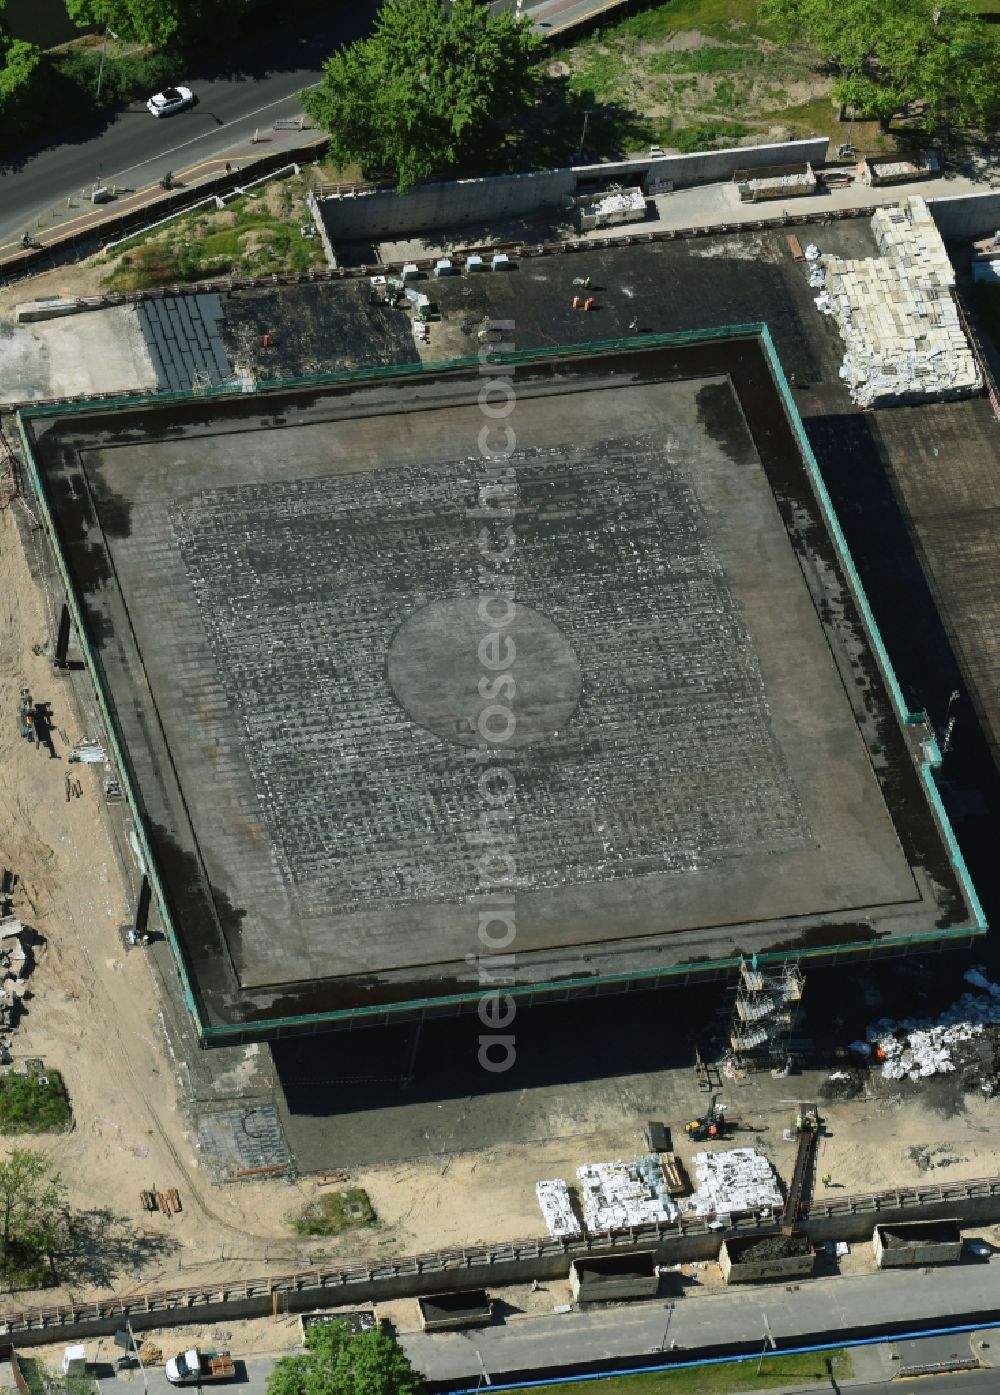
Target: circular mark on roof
{"points": [[443, 671]]}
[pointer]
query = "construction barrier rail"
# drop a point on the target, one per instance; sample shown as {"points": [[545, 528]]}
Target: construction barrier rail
{"points": [[902, 1198], [468, 1267]]}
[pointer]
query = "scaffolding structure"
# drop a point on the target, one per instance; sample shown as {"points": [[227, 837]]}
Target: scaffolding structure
{"points": [[765, 1012]]}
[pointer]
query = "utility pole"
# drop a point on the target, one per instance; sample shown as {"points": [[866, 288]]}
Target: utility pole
{"points": [[663, 1339], [138, 1355], [769, 1342], [583, 135], [104, 52]]}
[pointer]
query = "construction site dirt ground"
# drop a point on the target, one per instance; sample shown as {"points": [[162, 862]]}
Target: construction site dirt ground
{"points": [[94, 1014]]}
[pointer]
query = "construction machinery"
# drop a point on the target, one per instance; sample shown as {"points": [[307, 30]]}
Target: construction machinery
{"points": [[806, 1127], [392, 290], [713, 1124], [26, 716]]}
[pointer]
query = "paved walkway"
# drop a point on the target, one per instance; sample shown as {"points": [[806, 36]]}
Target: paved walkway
{"points": [[703, 206], [720, 203]]}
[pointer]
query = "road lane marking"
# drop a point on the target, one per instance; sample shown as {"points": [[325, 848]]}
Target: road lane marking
{"points": [[140, 194], [207, 134]]}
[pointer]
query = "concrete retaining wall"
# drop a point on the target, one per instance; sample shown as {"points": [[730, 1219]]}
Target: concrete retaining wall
{"points": [[455, 203], [859, 1224], [969, 215]]}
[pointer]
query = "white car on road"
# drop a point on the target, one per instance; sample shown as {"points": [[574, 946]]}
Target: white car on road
{"points": [[170, 100]]}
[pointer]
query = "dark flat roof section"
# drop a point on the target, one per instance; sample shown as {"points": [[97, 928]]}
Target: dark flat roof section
{"points": [[282, 599]]}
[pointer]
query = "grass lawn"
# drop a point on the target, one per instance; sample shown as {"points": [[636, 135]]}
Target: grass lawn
{"points": [[252, 236], [715, 17], [27, 1106], [335, 1212], [690, 74], [727, 1379], [41, 1380]]}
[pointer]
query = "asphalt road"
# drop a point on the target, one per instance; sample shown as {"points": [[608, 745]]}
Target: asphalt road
{"points": [[253, 1373], [255, 86], [817, 1310], [251, 88], [955, 1383]]}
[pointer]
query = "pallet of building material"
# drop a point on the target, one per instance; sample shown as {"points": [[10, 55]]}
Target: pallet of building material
{"points": [[174, 1197], [674, 1175], [147, 1200]]}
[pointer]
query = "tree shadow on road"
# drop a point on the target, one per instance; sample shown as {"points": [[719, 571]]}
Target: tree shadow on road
{"points": [[100, 1246]]}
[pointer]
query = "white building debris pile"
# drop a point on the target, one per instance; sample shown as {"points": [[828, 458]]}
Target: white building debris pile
{"points": [[732, 1182], [801, 179], [616, 205], [15, 967], [916, 1047], [617, 1195], [776, 182], [897, 316], [553, 1198]]}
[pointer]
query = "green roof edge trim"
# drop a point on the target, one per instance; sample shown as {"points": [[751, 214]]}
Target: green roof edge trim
{"points": [[209, 1034]]}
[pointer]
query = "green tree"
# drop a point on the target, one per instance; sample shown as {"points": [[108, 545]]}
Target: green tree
{"points": [[137, 21], [427, 89], [337, 1362], [18, 65], [932, 57], [32, 1198]]}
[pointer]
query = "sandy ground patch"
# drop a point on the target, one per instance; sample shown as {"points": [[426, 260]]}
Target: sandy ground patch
{"points": [[93, 1013], [74, 355], [61, 281], [684, 40]]}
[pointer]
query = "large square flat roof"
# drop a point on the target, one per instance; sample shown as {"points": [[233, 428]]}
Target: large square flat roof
{"points": [[282, 598]]}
